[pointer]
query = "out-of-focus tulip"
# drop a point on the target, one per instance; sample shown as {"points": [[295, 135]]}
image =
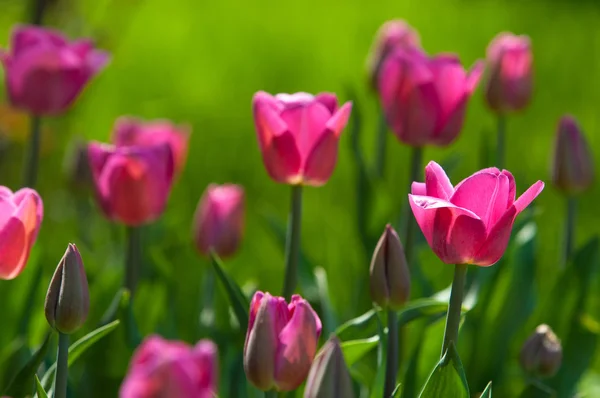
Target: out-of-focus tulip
{"points": [[472, 222], [281, 341], [425, 99], [509, 73], [44, 72], [132, 184], [541, 354], [219, 219], [329, 375], [392, 34], [162, 368], [573, 167], [389, 276], [129, 131], [68, 299], [298, 135], [21, 214]]}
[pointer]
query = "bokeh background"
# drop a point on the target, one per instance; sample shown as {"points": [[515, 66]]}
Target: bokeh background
{"points": [[200, 62]]}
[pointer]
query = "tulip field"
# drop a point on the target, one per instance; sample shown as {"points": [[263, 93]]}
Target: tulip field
{"points": [[299, 199]]}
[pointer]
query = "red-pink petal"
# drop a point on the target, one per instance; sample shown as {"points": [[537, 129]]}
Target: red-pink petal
{"points": [[329, 100], [456, 235], [528, 196], [418, 188], [437, 182], [497, 240], [475, 193]]}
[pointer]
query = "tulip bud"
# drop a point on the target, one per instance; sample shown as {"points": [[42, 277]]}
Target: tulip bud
{"points": [[572, 169], [329, 375], [389, 276], [542, 353], [68, 301]]}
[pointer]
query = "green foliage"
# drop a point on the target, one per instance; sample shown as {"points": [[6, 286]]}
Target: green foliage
{"points": [[447, 379]]}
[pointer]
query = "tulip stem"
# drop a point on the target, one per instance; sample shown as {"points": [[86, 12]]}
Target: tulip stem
{"points": [[271, 394], [391, 370], [292, 243], [454, 307], [501, 141], [134, 254], [62, 366], [382, 131], [30, 166], [569, 230]]}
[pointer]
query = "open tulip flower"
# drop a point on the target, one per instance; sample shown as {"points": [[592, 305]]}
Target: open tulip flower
{"points": [[472, 222], [298, 135], [21, 214]]}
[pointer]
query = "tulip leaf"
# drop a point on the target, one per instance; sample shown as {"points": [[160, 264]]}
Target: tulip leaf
{"points": [[487, 393], [447, 379], [79, 347], [378, 384], [23, 383], [397, 390], [41, 393], [238, 300], [355, 349]]}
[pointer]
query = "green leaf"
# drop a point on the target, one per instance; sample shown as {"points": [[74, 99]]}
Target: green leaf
{"points": [[397, 390], [421, 308], [378, 385], [537, 390], [23, 382], [79, 347], [41, 393], [238, 300], [328, 317], [354, 350], [487, 393], [447, 379]]}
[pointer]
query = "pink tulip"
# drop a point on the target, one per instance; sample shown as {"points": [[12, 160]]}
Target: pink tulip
{"points": [[281, 342], [21, 214], [298, 135], [425, 99], [162, 368], [509, 81], [129, 131], [132, 184], [219, 219], [44, 72], [392, 34], [472, 222]]}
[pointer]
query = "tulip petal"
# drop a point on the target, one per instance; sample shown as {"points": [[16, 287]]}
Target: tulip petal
{"points": [[474, 76], [296, 298], [339, 119], [30, 210], [499, 202], [456, 236], [475, 193], [497, 240], [512, 187], [13, 242], [418, 188], [528, 196], [322, 160], [437, 183], [328, 100], [260, 349], [306, 123]]}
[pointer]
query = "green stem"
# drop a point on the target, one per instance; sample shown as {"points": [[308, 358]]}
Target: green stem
{"points": [[271, 394], [382, 131], [409, 224], [30, 165], [454, 307], [391, 370], [569, 230], [500, 141], [134, 254], [292, 243], [39, 6], [62, 366]]}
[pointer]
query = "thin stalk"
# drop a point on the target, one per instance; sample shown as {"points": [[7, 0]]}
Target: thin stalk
{"points": [[30, 165], [382, 131], [569, 229], [62, 366], [292, 243], [409, 222], [501, 141], [134, 254], [391, 369], [454, 307], [37, 14]]}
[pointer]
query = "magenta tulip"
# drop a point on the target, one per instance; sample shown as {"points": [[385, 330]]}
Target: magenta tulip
{"points": [[162, 368], [509, 76], [298, 135], [132, 184], [219, 219], [281, 342], [129, 131], [392, 34], [472, 222], [425, 99], [44, 72]]}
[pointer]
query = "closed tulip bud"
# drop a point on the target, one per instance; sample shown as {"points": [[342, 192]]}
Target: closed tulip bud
{"points": [[542, 353], [572, 168], [392, 34], [329, 375], [219, 219], [44, 72], [389, 275], [68, 301], [281, 342], [509, 76]]}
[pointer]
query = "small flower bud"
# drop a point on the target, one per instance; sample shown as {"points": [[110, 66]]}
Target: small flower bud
{"points": [[329, 375], [542, 353], [572, 168], [68, 301], [389, 275]]}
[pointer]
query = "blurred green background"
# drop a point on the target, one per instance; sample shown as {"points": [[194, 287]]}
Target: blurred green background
{"points": [[200, 62]]}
